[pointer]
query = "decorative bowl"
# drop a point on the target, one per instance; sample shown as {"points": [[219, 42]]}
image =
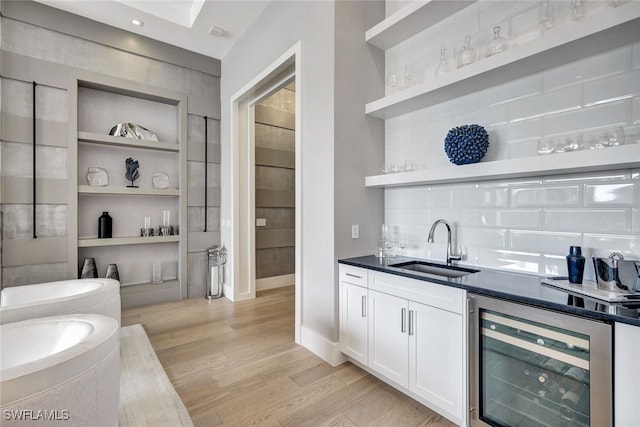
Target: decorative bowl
{"points": [[466, 144]]}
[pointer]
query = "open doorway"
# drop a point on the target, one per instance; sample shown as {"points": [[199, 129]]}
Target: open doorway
{"points": [[275, 167], [283, 73]]}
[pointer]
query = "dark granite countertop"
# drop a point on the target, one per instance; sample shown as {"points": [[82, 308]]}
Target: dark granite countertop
{"points": [[512, 286]]}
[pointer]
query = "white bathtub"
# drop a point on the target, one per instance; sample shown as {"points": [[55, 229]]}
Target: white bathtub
{"points": [[93, 296], [60, 370]]}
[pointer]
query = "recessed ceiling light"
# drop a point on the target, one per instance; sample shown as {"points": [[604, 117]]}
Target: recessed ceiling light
{"points": [[137, 22], [216, 31]]}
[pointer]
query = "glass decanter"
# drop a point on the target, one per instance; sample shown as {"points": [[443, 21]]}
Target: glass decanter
{"points": [[498, 44], [442, 67], [468, 54], [577, 10]]}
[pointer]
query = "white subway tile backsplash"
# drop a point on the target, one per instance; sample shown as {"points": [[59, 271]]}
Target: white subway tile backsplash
{"points": [[510, 91], [522, 148], [407, 216], [455, 217], [482, 237], [552, 102], [635, 221], [568, 195], [406, 197], [604, 244], [612, 88], [436, 198], [510, 218], [554, 265], [606, 64], [545, 242], [479, 197], [510, 260], [518, 131], [588, 220], [588, 177], [489, 116], [618, 194], [636, 56], [610, 114]]}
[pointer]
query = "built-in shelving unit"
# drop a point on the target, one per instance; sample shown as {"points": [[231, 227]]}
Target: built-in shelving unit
{"points": [[612, 28], [88, 189], [624, 156], [121, 241], [118, 141], [412, 19], [98, 103]]}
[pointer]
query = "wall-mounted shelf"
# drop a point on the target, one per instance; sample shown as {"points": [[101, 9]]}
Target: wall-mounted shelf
{"points": [[412, 19], [118, 141], [621, 157], [119, 241], [612, 28], [88, 189]]}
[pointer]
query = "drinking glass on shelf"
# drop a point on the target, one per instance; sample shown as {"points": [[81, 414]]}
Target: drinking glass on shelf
{"points": [[616, 137], [442, 67], [392, 81], [408, 166], [597, 140], [406, 80], [559, 145], [468, 54], [546, 146], [498, 43], [577, 10], [573, 143], [546, 16]]}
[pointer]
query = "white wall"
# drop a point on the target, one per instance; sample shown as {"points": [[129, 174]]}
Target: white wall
{"points": [[525, 224], [278, 29]]}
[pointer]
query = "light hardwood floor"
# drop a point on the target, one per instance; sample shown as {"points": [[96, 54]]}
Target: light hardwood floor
{"points": [[237, 365]]}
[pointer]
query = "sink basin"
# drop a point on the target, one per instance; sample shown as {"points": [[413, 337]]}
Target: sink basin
{"points": [[437, 269]]}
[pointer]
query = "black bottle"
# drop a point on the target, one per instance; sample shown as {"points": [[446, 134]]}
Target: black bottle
{"points": [[104, 226]]}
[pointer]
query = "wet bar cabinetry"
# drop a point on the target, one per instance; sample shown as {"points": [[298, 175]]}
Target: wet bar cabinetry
{"points": [[408, 332], [97, 103], [599, 31]]}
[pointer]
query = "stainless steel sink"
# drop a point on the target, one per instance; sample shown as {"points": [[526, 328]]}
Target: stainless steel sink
{"points": [[448, 271]]}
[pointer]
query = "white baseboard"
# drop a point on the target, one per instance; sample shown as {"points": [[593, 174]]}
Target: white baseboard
{"points": [[327, 350], [275, 282]]}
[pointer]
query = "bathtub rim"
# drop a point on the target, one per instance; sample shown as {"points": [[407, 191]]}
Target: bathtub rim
{"points": [[40, 375], [107, 285]]}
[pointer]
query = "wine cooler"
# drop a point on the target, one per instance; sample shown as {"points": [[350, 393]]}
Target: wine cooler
{"points": [[531, 367]]}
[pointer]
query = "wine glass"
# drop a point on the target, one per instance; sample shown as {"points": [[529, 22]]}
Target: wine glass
{"points": [[546, 16], [546, 146], [392, 81], [577, 10], [442, 67]]}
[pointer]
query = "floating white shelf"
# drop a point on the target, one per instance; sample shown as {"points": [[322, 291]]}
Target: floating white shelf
{"points": [[412, 19], [119, 241], [610, 29], [610, 158], [88, 189], [118, 141]]}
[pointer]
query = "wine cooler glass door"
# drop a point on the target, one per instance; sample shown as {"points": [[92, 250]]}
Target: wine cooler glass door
{"points": [[537, 368]]}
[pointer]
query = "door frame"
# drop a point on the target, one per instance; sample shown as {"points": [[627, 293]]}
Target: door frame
{"points": [[278, 74]]}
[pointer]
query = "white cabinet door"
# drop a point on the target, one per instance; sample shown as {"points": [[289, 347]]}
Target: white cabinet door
{"points": [[436, 361], [388, 337], [353, 321], [626, 375]]}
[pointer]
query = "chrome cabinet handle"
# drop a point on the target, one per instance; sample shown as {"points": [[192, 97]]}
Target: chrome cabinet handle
{"points": [[403, 322], [411, 313], [353, 275], [364, 306]]}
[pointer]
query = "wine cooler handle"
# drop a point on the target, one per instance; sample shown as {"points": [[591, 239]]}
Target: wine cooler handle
{"points": [[403, 322]]}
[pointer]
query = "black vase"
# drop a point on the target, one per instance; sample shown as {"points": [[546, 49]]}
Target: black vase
{"points": [[104, 226], [575, 264], [89, 269]]}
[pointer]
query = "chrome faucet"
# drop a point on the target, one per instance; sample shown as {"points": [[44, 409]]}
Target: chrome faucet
{"points": [[450, 255]]}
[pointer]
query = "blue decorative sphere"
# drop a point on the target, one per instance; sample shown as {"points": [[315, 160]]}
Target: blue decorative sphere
{"points": [[466, 144]]}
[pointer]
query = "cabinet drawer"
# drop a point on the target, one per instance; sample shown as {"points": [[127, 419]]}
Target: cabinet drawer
{"points": [[354, 275], [435, 295]]}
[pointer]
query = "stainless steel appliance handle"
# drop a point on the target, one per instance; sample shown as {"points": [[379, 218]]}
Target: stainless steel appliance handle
{"points": [[411, 320], [403, 322], [364, 306]]}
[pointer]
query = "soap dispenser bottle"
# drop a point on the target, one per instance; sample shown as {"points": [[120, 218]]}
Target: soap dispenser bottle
{"points": [[104, 226]]}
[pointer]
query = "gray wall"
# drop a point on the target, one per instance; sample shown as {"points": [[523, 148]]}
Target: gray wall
{"points": [[46, 45], [333, 192], [275, 174]]}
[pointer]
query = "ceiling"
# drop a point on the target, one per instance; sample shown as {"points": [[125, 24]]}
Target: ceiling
{"points": [[183, 23]]}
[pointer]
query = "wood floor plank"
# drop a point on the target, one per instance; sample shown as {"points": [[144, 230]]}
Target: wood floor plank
{"points": [[236, 364]]}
